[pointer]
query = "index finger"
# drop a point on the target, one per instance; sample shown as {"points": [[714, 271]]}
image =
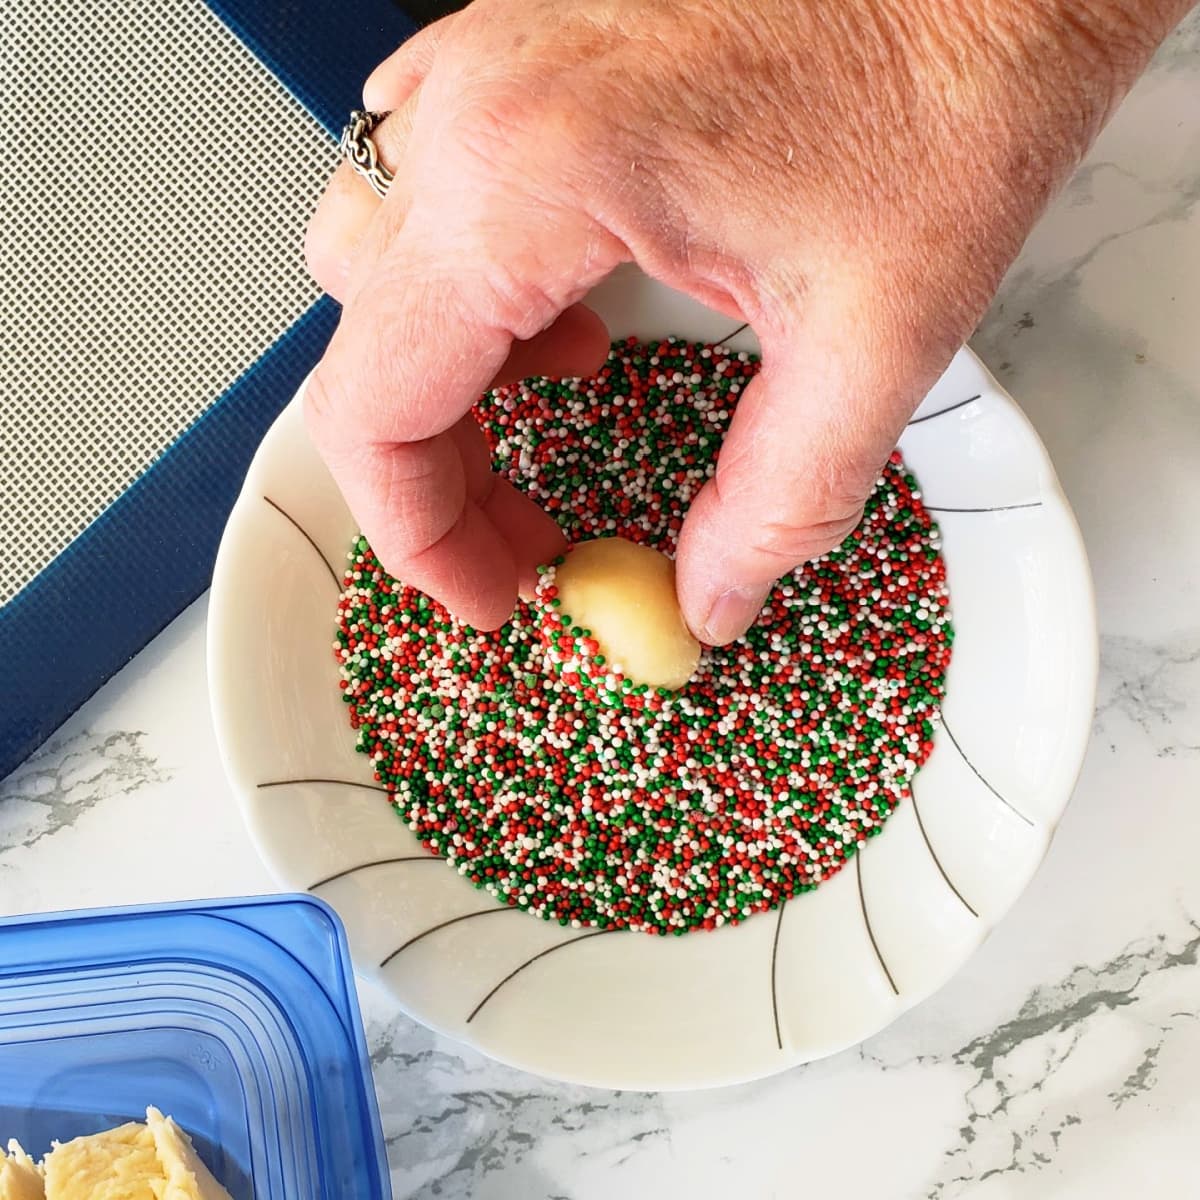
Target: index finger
{"points": [[419, 341]]}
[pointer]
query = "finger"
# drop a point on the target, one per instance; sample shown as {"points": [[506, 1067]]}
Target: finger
{"points": [[430, 328], [401, 73], [532, 535], [803, 451], [348, 206], [432, 533], [336, 228], [575, 345], [470, 569]]}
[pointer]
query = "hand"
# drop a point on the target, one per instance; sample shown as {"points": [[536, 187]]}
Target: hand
{"points": [[850, 179]]}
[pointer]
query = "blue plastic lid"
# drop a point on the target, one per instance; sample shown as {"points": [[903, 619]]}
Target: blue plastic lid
{"points": [[238, 1018]]}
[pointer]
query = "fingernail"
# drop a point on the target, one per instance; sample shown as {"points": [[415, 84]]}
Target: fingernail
{"points": [[733, 612]]}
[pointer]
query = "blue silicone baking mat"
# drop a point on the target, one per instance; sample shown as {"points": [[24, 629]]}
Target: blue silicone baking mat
{"points": [[160, 162]]}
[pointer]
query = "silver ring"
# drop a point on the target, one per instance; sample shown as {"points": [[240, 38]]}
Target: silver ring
{"points": [[362, 153]]}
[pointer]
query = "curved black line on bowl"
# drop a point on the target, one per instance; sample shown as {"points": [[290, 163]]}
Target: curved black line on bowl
{"points": [[379, 862], [994, 508], [774, 990], [412, 941], [307, 537], [941, 412], [979, 775], [729, 336], [354, 783], [530, 961], [862, 900], [937, 862]]}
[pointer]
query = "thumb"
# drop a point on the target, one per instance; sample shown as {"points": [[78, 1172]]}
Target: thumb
{"points": [[803, 451]]}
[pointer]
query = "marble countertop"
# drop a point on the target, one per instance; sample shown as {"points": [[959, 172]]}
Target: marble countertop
{"points": [[1060, 1062]]}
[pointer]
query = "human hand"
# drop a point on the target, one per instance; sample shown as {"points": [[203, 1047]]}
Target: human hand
{"points": [[850, 179]]}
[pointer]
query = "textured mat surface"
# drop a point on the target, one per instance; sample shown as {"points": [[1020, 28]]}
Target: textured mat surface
{"points": [[161, 160]]}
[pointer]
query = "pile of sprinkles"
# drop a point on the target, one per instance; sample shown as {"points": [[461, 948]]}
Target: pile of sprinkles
{"points": [[566, 790]]}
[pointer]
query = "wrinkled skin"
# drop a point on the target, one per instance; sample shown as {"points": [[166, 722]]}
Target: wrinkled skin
{"points": [[852, 179]]}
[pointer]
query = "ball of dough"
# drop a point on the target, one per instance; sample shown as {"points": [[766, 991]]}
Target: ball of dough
{"points": [[625, 594]]}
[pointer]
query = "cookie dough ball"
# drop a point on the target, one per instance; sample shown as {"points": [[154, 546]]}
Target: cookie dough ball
{"points": [[625, 594]]}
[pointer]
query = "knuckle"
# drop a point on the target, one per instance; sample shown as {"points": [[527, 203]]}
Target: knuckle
{"points": [[413, 534], [539, 133], [786, 542], [498, 127], [393, 134], [520, 304], [421, 488], [333, 230], [320, 254]]}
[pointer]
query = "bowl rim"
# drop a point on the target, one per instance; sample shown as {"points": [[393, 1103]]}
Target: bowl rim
{"points": [[223, 615]]}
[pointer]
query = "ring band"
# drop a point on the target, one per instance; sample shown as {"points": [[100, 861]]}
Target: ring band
{"points": [[362, 153]]}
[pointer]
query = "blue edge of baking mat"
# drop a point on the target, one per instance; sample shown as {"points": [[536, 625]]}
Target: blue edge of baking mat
{"points": [[151, 552]]}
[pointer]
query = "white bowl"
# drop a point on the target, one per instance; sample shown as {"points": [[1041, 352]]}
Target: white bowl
{"points": [[829, 967]]}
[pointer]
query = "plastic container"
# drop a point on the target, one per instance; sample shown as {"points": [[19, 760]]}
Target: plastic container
{"points": [[239, 1018]]}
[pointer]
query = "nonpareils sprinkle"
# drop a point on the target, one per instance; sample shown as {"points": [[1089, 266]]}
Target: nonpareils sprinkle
{"points": [[585, 799]]}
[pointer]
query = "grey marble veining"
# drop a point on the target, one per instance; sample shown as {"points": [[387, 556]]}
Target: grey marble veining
{"points": [[67, 778], [1154, 685], [1015, 1116], [460, 1126], [1181, 51]]}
